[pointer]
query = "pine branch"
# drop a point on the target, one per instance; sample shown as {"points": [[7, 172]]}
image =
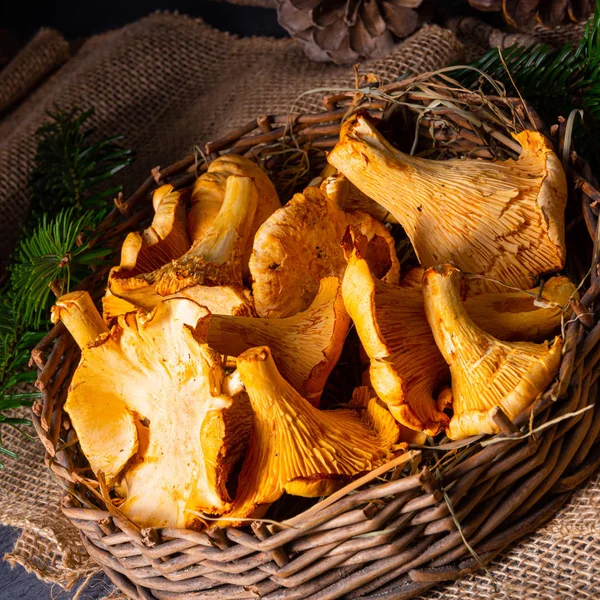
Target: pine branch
{"points": [[52, 258], [70, 168], [15, 351], [555, 81]]}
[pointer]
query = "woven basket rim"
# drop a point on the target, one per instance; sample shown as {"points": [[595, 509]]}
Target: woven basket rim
{"points": [[267, 561]]}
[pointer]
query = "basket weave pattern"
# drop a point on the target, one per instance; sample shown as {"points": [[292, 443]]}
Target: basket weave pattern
{"points": [[388, 540]]}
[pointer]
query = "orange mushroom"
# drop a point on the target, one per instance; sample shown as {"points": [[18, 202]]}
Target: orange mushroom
{"points": [[486, 372], [503, 220]]}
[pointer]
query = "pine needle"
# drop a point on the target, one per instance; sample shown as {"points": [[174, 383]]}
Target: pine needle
{"points": [[71, 168], [555, 81], [48, 260]]}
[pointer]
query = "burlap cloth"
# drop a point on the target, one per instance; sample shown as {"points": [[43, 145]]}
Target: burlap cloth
{"points": [[44, 53], [167, 83]]}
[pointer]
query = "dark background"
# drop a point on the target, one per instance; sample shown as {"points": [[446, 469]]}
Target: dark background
{"points": [[76, 20], [80, 18]]}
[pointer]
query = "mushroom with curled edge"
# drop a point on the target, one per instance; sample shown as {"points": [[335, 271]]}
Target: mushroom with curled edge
{"points": [[406, 369], [299, 244], [305, 347], [298, 449], [166, 239], [209, 273], [502, 220], [150, 407], [208, 195], [486, 372]]}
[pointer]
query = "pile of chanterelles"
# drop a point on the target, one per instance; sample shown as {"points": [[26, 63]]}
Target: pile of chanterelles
{"points": [[197, 395]]}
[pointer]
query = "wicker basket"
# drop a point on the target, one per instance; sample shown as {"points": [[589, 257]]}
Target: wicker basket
{"points": [[498, 492]]}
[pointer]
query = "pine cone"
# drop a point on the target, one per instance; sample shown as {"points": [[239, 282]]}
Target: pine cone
{"points": [[524, 14], [343, 31]]}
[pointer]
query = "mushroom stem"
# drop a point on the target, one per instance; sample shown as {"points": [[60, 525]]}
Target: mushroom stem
{"points": [[217, 257], [442, 295], [229, 232], [79, 315]]}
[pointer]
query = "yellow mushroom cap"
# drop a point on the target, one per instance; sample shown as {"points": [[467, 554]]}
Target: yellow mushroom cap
{"points": [[486, 372], [305, 346], [149, 408], [500, 219], [300, 244], [296, 448]]}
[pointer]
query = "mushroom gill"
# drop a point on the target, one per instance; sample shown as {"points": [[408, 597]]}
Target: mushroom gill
{"points": [[298, 449], [503, 220], [486, 372]]}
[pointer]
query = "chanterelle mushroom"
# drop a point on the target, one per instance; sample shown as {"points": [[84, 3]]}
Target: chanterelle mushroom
{"points": [[298, 449], [486, 372], [166, 239], [210, 273], [500, 219], [299, 245], [209, 193], [147, 402], [305, 347], [406, 369]]}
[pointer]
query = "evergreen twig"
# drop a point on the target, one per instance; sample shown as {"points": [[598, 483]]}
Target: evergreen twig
{"points": [[50, 260], [71, 169], [555, 81]]}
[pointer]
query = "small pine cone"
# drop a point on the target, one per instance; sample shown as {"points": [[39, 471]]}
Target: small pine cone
{"points": [[342, 31], [524, 14]]}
